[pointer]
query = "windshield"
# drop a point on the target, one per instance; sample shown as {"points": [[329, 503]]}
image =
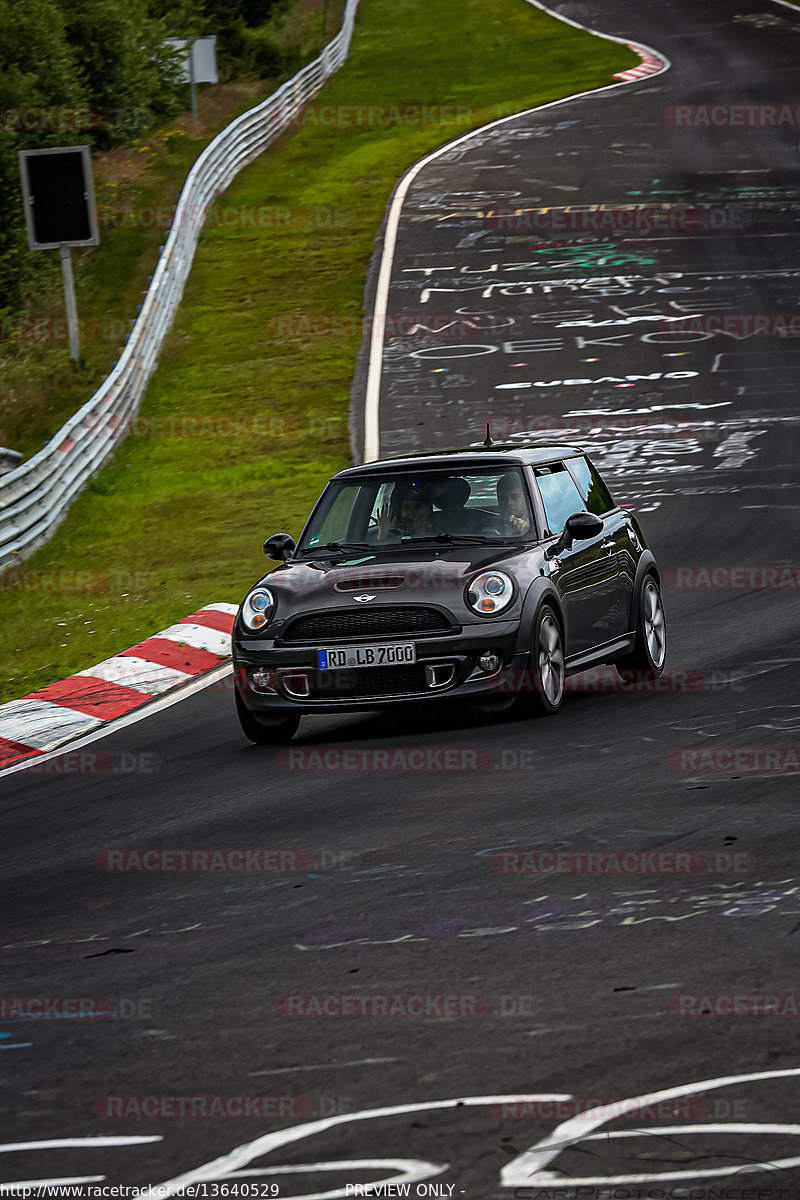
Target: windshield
{"points": [[393, 509]]}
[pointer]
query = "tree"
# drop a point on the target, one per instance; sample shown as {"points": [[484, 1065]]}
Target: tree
{"points": [[131, 77]]}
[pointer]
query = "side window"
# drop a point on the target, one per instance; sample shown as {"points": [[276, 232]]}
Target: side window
{"points": [[596, 496], [560, 495]]}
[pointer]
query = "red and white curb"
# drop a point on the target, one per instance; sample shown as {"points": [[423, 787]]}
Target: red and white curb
{"points": [[651, 64], [81, 703]]}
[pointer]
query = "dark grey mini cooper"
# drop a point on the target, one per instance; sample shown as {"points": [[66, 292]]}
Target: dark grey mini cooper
{"points": [[482, 575]]}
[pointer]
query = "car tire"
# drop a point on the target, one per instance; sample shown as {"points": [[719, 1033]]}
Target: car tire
{"points": [[546, 667], [650, 648], [271, 733]]}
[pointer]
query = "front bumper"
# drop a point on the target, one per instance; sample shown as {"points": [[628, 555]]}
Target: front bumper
{"points": [[446, 669]]}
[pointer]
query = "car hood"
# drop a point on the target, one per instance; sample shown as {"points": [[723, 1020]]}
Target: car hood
{"points": [[417, 576]]}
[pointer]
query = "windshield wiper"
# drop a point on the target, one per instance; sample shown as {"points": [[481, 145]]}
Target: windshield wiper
{"points": [[456, 539], [345, 546]]}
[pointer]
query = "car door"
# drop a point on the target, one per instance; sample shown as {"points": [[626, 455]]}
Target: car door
{"points": [[597, 499], [586, 576]]}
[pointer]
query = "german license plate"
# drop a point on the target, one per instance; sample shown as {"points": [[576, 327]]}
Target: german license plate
{"points": [[367, 656]]}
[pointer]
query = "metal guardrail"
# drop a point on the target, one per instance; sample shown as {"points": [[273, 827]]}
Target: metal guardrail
{"points": [[35, 496]]}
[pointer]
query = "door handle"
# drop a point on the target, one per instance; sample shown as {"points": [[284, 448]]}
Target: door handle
{"points": [[608, 546]]}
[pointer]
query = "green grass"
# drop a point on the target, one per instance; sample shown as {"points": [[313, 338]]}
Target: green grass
{"points": [[136, 188], [177, 521]]}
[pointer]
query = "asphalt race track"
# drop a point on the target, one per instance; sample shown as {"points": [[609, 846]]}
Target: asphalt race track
{"points": [[567, 985]]}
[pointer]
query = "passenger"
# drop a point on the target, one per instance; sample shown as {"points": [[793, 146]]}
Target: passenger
{"points": [[512, 504], [410, 513]]}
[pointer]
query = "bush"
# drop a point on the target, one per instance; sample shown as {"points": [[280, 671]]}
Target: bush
{"points": [[131, 76], [256, 51]]}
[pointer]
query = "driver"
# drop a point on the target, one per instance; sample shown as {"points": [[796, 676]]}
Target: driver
{"points": [[410, 513], [512, 504]]}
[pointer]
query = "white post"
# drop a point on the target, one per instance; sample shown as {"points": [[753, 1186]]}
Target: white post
{"points": [[72, 307]]}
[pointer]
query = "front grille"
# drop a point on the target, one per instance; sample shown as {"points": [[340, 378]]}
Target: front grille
{"points": [[355, 683], [318, 629]]}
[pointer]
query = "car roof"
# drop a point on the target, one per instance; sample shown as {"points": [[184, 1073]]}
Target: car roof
{"points": [[502, 454]]}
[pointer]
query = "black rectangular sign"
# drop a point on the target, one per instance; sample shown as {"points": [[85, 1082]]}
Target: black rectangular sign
{"points": [[58, 193]]}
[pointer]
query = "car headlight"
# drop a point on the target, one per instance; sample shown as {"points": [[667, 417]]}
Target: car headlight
{"points": [[258, 608], [490, 593]]}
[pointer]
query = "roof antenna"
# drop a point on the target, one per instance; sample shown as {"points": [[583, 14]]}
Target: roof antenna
{"points": [[488, 443]]}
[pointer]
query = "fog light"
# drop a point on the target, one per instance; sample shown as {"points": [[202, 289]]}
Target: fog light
{"points": [[489, 661], [263, 680]]}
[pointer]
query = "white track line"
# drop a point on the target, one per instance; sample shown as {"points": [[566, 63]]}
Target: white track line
{"points": [[372, 398]]}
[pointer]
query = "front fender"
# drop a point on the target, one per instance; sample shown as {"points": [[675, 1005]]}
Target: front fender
{"points": [[539, 592]]}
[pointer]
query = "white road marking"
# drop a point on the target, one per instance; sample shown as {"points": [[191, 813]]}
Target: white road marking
{"points": [[355, 1062], [70, 1143], [15, 1184], [527, 1168], [241, 1156], [375, 368], [412, 1170]]}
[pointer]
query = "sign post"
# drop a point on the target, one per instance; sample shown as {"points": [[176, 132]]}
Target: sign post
{"points": [[199, 62], [71, 303], [60, 212]]}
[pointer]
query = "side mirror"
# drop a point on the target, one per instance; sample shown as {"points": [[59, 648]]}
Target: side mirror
{"points": [[578, 528], [280, 546]]}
